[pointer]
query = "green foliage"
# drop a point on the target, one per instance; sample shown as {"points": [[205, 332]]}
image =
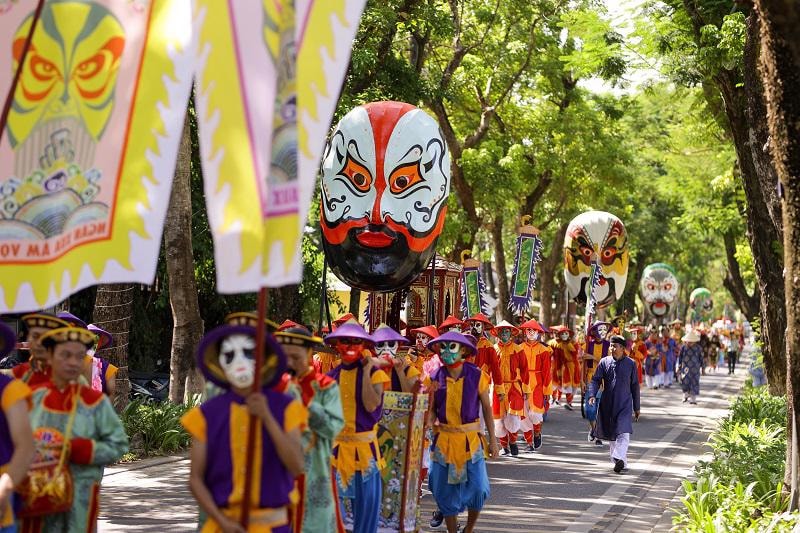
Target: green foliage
{"points": [[154, 428], [740, 488], [757, 405]]}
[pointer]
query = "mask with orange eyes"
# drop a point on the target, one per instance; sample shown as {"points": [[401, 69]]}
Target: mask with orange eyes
{"points": [[600, 235], [385, 183]]}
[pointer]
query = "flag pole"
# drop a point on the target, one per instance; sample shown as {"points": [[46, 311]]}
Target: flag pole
{"points": [[13, 88], [254, 423]]}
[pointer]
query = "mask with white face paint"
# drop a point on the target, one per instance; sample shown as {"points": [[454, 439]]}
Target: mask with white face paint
{"points": [[531, 335], [602, 331], [477, 329], [237, 360], [564, 336], [387, 348], [422, 341], [450, 353]]}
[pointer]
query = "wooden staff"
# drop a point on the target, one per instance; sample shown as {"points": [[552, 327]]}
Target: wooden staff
{"points": [[18, 72], [254, 423]]}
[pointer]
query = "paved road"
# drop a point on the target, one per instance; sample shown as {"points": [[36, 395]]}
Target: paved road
{"points": [[568, 485]]}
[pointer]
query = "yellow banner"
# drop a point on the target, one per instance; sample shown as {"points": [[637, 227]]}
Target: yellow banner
{"points": [[268, 79], [88, 153]]}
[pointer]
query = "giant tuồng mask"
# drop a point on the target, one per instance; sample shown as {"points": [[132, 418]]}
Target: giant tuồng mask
{"points": [[385, 183], [604, 234], [659, 288], [701, 303]]}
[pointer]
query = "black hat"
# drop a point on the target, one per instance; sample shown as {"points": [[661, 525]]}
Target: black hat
{"points": [[618, 339]]}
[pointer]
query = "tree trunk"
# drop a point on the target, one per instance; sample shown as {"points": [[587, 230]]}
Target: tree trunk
{"points": [[733, 282], [500, 265], [284, 303], [187, 323], [780, 72], [547, 281], [762, 233], [113, 309]]}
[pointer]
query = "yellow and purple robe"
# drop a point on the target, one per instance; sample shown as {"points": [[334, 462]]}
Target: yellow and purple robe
{"points": [[222, 424]]}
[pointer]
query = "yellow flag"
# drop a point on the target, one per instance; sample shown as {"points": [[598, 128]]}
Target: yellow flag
{"points": [[88, 153]]}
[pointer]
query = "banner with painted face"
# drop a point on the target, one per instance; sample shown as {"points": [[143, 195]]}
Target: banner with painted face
{"points": [[659, 288], [268, 80], [88, 152], [701, 303], [600, 234], [385, 184]]}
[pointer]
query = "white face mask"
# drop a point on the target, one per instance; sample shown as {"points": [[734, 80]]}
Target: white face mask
{"points": [[531, 335], [237, 359], [565, 336], [602, 331], [422, 340], [477, 328], [384, 349]]}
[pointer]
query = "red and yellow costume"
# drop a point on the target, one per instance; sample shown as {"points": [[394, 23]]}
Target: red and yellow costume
{"points": [[638, 351], [537, 356], [508, 411], [566, 372]]}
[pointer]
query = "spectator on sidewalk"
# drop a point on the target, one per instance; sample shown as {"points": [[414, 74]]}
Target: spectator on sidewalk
{"points": [[619, 406]]}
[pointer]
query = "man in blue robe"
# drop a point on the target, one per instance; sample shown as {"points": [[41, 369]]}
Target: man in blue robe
{"points": [[619, 405]]}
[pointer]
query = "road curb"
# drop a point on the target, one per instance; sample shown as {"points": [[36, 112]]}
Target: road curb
{"points": [[141, 464]]}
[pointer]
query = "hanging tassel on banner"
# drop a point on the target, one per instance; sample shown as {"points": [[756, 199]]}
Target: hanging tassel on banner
{"points": [[523, 281], [473, 289]]}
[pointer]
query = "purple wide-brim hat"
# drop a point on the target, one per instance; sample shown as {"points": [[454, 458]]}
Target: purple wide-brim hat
{"points": [[104, 338], [349, 330], [72, 319], [208, 355], [599, 323], [7, 339], [451, 336], [386, 334]]}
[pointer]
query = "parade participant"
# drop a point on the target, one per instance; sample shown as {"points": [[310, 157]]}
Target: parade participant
{"points": [[667, 349], [690, 363], [652, 365], [16, 438], [638, 349], [36, 372], [424, 360], [404, 377], [73, 425], [537, 355], [458, 478], [486, 357], [98, 371], [566, 370], [595, 348], [450, 323], [356, 456], [318, 505], [616, 374], [219, 429], [514, 368]]}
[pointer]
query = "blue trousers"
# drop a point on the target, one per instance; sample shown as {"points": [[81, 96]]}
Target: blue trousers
{"points": [[364, 493], [455, 498]]}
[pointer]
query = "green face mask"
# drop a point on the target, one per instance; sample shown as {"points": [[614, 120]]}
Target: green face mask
{"points": [[450, 353], [504, 335]]}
